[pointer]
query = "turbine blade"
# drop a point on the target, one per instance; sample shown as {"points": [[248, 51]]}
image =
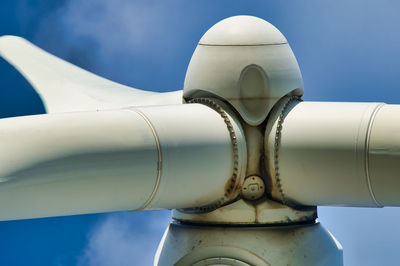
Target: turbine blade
{"points": [[65, 87], [176, 156], [335, 154]]}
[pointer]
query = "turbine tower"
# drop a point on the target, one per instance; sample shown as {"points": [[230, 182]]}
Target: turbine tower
{"points": [[237, 155]]}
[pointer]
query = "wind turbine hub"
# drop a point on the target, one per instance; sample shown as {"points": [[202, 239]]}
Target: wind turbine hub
{"points": [[246, 65], [246, 62]]}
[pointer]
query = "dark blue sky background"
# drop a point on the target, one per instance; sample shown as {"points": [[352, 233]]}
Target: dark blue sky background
{"points": [[347, 51]]}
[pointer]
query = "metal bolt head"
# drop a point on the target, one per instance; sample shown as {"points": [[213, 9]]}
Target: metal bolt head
{"points": [[253, 188]]}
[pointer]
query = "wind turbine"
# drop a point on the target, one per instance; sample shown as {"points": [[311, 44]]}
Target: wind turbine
{"points": [[242, 162]]}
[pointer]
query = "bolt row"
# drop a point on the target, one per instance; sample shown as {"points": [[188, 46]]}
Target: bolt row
{"points": [[278, 134], [234, 179]]}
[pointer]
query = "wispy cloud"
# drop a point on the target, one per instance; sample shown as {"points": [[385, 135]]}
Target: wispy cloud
{"points": [[125, 239], [118, 39], [118, 23]]}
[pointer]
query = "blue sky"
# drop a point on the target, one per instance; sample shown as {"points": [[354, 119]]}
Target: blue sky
{"points": [[347, 51]]}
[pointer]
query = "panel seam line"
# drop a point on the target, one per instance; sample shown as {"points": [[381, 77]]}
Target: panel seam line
{"points": [[159, 163], [367, 142]]}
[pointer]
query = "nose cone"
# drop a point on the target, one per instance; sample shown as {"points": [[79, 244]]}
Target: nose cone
{"points": [[243, 30], [246, 62]]}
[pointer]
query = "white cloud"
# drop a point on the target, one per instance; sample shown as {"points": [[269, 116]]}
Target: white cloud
{"points": [[125, 239], [119, 24], [131, 42]]}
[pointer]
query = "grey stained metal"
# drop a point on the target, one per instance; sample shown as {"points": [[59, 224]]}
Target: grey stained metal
{"points": [[250, 213], [253, 188]]}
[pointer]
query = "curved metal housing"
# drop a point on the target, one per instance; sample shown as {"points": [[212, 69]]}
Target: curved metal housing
{"points": [[331, 153], [246, 62], [303, 245], [176, 156]]}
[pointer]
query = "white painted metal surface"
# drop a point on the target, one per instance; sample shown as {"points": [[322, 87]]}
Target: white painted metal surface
{"points": [[178, 156], [247, 62], [64, 87], [243, 30], [343, 154], [384, 155], [301, 245]]}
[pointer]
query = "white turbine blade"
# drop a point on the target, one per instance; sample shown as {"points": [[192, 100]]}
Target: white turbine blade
{"points": [[64, 87], [176, 156], [343, 154]]}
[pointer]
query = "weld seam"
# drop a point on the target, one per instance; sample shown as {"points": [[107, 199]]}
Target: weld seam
{"points": [[367, 142], [159, 162]]}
